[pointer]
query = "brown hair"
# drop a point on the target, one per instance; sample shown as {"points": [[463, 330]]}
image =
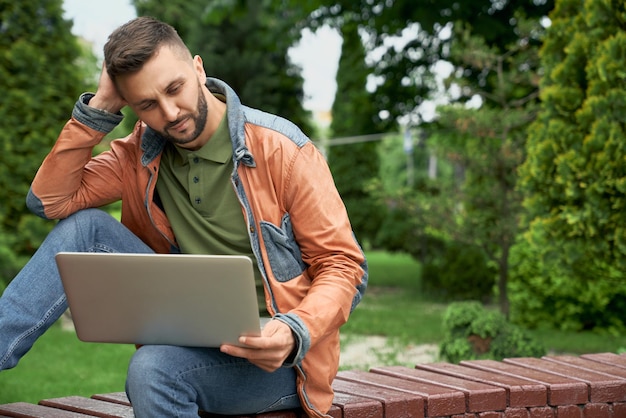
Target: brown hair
{"points": [[131, 45]]}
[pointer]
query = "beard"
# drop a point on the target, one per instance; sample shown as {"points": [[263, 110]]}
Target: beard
{"points": [[199, 119]]}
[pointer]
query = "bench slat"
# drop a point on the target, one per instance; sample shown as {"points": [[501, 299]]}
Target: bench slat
{"points": [[521, 392], [29, 410], [438, 400], [585, 364], [90, 406], [395, 403], [612, 359], [562, 390], [115, 397], [480, 397], [354, 406], [602, 388]]}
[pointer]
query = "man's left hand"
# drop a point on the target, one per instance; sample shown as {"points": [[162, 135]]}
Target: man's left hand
{"points": [[268, 351]]}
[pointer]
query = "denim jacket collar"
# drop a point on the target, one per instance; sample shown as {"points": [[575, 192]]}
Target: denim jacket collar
{"points": [[152, 143]]}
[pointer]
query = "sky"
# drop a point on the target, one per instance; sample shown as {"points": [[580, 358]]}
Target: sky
{"points": [[317, 54]]}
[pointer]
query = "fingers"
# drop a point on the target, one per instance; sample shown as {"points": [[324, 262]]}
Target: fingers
{"points": [[268, 351], [107, 97], [267, 359]]}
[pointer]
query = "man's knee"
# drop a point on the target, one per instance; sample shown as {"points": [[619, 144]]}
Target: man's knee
{"points": [[145, 367], [84, 226], [91, 216]]}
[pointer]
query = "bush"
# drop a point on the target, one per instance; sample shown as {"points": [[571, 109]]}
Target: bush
{"points": [[460, 273], [32, 232], [401, 231], [9, 261], [473, 332], [544, 292]]}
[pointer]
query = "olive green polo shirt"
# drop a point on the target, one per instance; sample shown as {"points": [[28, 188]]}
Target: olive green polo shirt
{"points": [[200, 202]]}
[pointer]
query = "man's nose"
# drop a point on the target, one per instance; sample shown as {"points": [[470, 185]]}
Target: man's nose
{"points": [[170, 110]]}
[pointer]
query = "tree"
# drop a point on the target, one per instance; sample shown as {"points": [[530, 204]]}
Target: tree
{"points": [[493, 49], [355, 165], [488, 142], [41, 77], [245, 43], [405, 71], [572, 257]]}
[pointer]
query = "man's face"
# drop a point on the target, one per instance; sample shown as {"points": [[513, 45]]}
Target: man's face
{"points": [[167, 94]]}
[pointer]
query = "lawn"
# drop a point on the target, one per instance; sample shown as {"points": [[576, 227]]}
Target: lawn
{"points": [[61, 365], [395, 307]]}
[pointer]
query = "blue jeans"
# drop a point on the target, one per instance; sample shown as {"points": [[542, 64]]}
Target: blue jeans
{"points": [[163, 381]]}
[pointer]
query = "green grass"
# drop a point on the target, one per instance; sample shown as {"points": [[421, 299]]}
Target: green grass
{"points": [[61, 365], [397, 313], [570, 342], [393, 305], [393, 270]]}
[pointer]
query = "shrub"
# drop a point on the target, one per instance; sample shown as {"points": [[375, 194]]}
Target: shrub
{"points": [[546, 292], [473, 332], [460, 273], [9, 261]]}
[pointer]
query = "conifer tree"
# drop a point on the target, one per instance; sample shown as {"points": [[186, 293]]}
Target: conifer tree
{"points": [[40, 79], [355, 165], [571, 265]]}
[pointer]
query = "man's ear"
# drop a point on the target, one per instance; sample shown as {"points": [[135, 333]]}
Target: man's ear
{"points": [[199, 67]]}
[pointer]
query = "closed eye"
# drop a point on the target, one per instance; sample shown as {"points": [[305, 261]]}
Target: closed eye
{"points": [[147, 105], [174, 89]]}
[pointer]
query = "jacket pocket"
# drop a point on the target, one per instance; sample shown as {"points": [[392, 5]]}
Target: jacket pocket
{"points": [[283, 251]]}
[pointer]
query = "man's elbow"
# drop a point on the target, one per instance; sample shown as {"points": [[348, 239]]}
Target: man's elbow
{"points": [[35, 205]]}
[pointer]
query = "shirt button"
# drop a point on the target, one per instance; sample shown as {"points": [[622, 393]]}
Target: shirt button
{"points": [[196, 179], [196, 159], [198, 200]]}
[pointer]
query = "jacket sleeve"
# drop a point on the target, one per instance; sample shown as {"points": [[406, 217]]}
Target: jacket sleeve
{"points": [[69, 179], [336, 264]]}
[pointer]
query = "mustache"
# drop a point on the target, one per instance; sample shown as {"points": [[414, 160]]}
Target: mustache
{"points": [[177, 121]]}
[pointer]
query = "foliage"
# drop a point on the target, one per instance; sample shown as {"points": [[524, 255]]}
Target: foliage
{"points": [[472, 201], [354, 165], [460, 273], [544, 294], [406, 226], [574, 177], [412, 198], [487, 143], [452, 270], [245, 43], [473, 332], [403, 230], [9, 261], [493, 48], [404, 71], [42, 73]]}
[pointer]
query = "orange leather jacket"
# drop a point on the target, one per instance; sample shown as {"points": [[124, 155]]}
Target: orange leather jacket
{"points": [[314, 270]]}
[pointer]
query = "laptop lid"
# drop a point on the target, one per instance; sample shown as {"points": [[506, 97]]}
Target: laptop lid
{"points": [[174, 299]]}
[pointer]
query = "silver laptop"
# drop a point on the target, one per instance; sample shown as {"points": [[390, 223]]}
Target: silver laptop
{"points": [[185, 300]]}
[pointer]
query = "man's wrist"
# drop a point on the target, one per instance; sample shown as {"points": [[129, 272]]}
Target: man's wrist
{"points": [[107, 106], [94, 118]]}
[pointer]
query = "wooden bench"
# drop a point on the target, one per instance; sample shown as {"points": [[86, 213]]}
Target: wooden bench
{"points": [[587, 386]]}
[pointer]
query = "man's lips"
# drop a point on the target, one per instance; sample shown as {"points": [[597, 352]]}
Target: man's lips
{"points": [[179, 126]]}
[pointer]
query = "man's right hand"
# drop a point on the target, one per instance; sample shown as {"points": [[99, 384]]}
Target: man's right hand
{"points": [[107, 98]]}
